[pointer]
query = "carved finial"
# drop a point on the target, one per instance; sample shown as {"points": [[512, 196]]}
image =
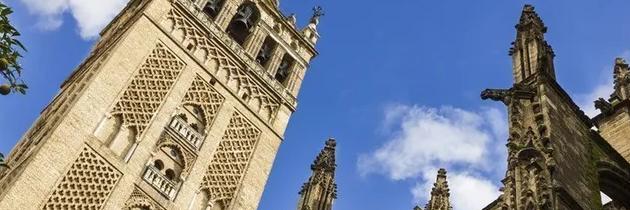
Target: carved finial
{"points": [[326, 159], [620, 66], [318, 11], [621, 76], [439, 193], [530, 20], [620, 61], [442, 172], [292, 19]]}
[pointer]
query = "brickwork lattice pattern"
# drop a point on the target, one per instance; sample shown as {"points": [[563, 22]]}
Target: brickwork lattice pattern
{"points": [[148, 88], [87, 184], [230, 72], [140, 200], [230, 160], [203, 95]]}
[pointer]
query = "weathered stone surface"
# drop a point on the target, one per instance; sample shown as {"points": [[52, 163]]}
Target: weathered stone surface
{"points": [[167, 112], [320, 191], [555, 160]]}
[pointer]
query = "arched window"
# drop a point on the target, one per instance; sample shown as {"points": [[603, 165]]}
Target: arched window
{"points": [[243, 21], [614, 186], [196, 118], [170, 162], [266, 50], [284, 70], [118, 137], [212, 8], [158, 164], [170, 174], [197, 112]]}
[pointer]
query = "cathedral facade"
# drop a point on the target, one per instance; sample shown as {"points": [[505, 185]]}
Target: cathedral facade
{"points": [[182, 104], [558, 158]]}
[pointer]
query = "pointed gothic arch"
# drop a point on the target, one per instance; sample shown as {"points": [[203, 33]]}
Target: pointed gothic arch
{"points": [[615, 183]]}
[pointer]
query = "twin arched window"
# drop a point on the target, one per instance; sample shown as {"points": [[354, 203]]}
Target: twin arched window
{"points": [[169, 162]]}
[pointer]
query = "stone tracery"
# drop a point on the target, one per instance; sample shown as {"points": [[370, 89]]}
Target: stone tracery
{"points": [[148, 89]]}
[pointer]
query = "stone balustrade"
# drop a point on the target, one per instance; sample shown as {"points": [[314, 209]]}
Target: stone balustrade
{"points": [[159, 181], [186, 132]]}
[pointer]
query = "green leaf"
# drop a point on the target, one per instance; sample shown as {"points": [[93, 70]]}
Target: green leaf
{"points": [[21, 90]]}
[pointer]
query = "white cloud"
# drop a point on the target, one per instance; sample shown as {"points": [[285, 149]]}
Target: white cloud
{"points": [[424, 139], [91, 16], [585, 101], [602, 89], [467, 191]]}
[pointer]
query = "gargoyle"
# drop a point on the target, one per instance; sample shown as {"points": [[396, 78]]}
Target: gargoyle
{"points": [[506, 95], [502, 95], [604, 106]]}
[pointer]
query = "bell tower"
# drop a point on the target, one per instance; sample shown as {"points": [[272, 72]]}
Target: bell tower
{"points": [[182, 104]]}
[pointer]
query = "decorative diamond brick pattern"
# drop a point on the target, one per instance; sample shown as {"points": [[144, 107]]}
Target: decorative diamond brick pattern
{"points": [[230, 71], [148, 88], [87, 184], [203, 95], [230, 160]]}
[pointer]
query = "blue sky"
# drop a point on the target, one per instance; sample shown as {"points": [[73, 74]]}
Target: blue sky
{"points": [[397, 84]]}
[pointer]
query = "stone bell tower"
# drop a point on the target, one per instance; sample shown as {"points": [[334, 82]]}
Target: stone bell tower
{"points": [[182, 104]]}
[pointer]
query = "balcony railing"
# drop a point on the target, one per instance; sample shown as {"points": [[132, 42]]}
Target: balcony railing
{"points": [[189, 134], [254, 66], [162, 184]]}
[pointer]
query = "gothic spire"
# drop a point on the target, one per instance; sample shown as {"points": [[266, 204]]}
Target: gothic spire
{"points": [[621, 79], [325, 161], [320, 190], [440, 193], [531, 54], [530, 21], [621, 92]]}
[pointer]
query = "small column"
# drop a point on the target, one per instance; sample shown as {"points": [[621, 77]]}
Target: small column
{"points": [[200, 3], [225, 16], [276, 58], [297, 76], [254, 42]]}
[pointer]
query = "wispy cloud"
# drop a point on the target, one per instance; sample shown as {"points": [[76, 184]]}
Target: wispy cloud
{"points": [[91, 16], [601, 89], [425, 138], [467, 191]]}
